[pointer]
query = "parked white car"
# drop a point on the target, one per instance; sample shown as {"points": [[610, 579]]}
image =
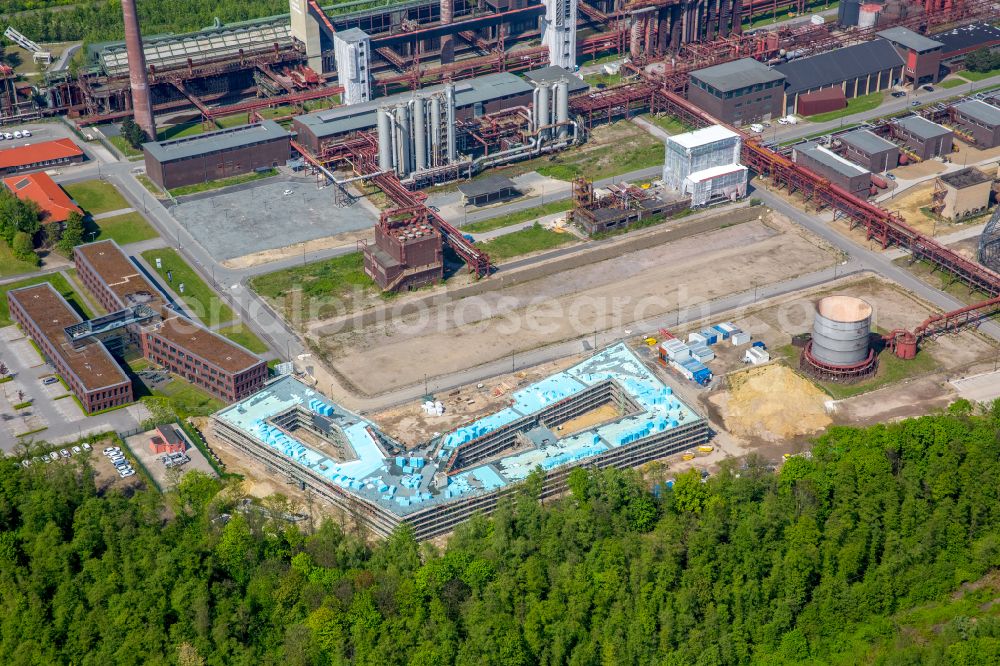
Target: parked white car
{"points": [[26, 133], [17, 134], [756, 128]]}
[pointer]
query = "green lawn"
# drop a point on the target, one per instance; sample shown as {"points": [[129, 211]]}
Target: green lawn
{"points": [[277, 112], [123, 229], [533, 239], [96, 196], [181, 129], [242, 335], [667, 123], [951, 83], [200, 299], [318, 290], [224, 182], [59, 283], [855, 105], [767, 18], [601, 78], [234, 120], [189, 399], [10, 265], [518, 216], [153, 188], [891, 369], [124, 147], [978, 76]]}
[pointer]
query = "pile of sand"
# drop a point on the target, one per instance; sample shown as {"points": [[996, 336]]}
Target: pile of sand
{"points": [[774, 404]]}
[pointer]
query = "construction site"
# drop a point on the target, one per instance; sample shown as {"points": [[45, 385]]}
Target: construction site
{"points": [[725, 321]]}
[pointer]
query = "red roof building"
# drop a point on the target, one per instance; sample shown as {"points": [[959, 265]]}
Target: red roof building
{"points": [[42, 155], [166, 440], [54, 203]]}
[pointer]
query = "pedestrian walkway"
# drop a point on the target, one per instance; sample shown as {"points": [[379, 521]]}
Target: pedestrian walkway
{"points": [[112, 213]]}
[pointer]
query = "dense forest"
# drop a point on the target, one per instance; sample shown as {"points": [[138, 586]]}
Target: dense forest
{"points": [[102, 20], [813, 563]]}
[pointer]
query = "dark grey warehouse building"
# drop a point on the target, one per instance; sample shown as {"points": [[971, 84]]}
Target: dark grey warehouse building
{"points": [[833, 167], [214, 155], [739, 92], [925, 138], [980, 120], [858, 70], [870, 150]]}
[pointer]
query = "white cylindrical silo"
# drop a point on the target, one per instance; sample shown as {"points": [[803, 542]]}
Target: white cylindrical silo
{"points": [[419, 135], [384, 141], [403, 136], [841, 329], [543, 109], [449, 95], [562, 108]]}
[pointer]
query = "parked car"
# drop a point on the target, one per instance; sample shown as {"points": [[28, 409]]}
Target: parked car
{"points": [[17, 134], [50, 380], [928, 87], [26, 133], [914, 103], [26, 463], [86, 447], [64, 453], [77, 449], [8, 135], [899, 93]]}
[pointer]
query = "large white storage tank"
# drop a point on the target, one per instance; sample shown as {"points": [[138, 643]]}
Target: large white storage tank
{"points": [[841, 330]]}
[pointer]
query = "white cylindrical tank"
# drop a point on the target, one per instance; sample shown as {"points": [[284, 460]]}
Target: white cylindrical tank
{"points": [[435, 131], [384, 141], [419, 135], [449, 96], [403, 137], [562, 108], [841, 329], [543, 109]]}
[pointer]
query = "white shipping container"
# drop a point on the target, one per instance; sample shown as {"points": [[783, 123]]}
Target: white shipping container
{"points": [[739, 338], [696, 339]]}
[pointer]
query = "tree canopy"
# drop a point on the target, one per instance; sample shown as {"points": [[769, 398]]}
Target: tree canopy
{"points": [[752, 566]]}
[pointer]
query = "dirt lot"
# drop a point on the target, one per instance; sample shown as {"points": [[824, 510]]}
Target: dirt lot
{"points": [[349, 238], [909, 203], [106, 477], [919, 170], [967, 154], [606, 295]]}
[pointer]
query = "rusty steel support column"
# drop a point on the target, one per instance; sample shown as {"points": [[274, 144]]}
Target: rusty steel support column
{"points": [[138, 79]]}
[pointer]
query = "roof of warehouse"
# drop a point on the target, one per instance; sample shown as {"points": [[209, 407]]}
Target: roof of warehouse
{"points": [[489, 185], [965, 178], [38, 152], [980, 110], [703, 136], [554, 73], [737, 74], [40, 188], [830, 159], [922, 128], [909, 39], [867, 141], [362, 116], [839, 65], [212, 142], [967, 37]]}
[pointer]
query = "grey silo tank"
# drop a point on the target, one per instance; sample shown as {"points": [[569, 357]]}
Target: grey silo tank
{"points": [[840, 330]]}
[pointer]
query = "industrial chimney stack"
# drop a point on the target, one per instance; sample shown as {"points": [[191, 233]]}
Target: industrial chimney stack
{"points": [[142, 105]]}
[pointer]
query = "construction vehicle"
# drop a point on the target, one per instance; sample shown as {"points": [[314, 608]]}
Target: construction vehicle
{"points": [[687, 456], [706, 448], [651, 341]]}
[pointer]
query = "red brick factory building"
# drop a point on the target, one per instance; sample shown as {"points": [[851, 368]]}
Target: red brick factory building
{"points": [[84, 352]]}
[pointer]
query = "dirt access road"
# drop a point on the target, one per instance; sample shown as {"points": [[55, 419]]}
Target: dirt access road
{"points": [[504, 322]]}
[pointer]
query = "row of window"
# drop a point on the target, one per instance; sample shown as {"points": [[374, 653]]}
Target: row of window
{"points": [[739, 92], [43, 163]]}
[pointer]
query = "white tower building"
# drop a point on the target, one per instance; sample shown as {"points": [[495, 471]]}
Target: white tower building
{"points": [[559, 32], [352, 49]]}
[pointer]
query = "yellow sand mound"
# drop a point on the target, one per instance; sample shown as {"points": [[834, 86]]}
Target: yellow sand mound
{"points": [[773, 403]]}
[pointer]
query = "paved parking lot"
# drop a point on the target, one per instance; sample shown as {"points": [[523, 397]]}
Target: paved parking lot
{"points": [[262, 217], [54, 415]]}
